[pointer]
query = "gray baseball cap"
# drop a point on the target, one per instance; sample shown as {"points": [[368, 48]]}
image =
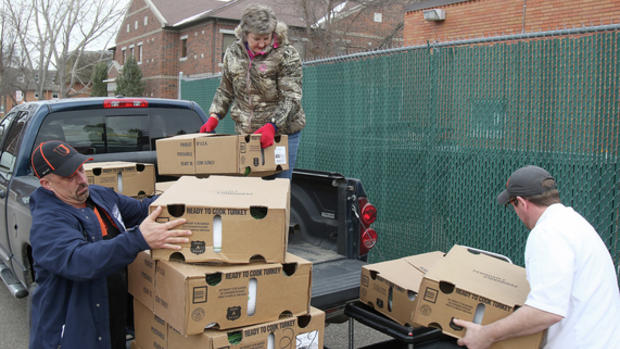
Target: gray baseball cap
{"points": [[525, 182]]}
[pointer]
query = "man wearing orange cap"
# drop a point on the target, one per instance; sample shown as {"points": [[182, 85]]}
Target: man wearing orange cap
{"points": [[82, 239]]}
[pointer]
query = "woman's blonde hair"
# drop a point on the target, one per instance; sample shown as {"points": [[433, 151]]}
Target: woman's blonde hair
{"points": [[257, 19]]}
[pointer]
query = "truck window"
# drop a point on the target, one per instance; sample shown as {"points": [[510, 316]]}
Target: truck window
{"points": [[126, 133], [101, 131], [4, 125], [10, 143], [163, 126]]}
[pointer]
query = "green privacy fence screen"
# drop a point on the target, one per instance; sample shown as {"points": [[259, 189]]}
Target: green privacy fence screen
{"points": [[434, 132]]}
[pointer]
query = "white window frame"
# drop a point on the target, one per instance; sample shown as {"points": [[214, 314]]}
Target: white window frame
{"points": [[128, 27], [146, 20], [225, 32], [183, 38]]}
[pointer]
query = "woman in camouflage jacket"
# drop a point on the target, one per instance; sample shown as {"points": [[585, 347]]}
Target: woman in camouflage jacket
{"points": [[261, 82]]}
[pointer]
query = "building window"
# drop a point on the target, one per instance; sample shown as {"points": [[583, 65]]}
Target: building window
{"points": [[378, 17], [184, 46], [135, 25], [228, 38], [139, 58], [146, 20], [131, 51], [128, 27], [124, 55]]}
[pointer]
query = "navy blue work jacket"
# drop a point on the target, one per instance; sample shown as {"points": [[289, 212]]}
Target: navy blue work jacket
{"points": [[71, 262]]}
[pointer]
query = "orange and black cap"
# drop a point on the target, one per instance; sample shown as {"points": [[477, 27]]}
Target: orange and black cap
{"points": [[56, 157]]}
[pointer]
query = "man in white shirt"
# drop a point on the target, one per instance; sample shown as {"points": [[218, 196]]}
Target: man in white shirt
{"points": [[573, 285]]}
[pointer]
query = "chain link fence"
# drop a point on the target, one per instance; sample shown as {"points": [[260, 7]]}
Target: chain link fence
{"points": [[434, 132]]}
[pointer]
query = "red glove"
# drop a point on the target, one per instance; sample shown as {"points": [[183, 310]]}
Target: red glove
{"points": [[210, 125], [266, 134]]}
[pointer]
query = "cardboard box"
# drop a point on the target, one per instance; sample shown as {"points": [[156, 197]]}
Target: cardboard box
{"points": [[304, 331], [232, 219], [190, 297], [474, 287], [141, 278], [150, 330], [391, 287], [128, 178], [207, 154], [161, 187]]}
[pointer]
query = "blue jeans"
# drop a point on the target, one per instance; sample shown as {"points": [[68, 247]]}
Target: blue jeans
{"points": [[293, 144]]}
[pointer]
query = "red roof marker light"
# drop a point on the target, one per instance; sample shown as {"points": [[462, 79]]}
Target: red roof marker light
{"points": [[125, 103]]}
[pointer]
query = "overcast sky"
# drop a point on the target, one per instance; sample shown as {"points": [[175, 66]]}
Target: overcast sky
{"points": [[107, 40]]}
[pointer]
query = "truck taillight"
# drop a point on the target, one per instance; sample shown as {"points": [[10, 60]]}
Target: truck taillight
{"points": [[367, 216], [125, 103]]}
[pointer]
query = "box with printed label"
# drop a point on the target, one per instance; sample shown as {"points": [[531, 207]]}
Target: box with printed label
{"points": [[391, 287], [302, 331], [128, 178], [473, 286], [206, 154], [232, 219], [190, 297]]}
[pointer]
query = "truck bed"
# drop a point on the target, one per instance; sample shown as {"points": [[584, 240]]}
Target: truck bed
{"points": [[335, 278]]}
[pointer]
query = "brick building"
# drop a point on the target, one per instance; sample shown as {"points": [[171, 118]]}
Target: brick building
{"points": [[191, 36], [24, 88], [484, 18]]}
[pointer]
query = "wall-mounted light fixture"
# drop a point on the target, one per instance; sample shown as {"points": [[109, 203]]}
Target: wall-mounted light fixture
{"points": [[435, 15]]}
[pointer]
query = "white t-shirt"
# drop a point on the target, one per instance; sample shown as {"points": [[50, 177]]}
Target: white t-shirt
{"points": [[571, 274]]}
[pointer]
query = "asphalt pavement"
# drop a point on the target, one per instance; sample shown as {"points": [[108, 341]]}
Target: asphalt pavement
{"points": [[13, 323], [337, 336]]}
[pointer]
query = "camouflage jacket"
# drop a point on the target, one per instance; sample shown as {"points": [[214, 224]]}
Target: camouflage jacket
{"points": [[264, 89]]}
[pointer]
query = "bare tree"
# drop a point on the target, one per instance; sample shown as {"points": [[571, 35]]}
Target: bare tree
{"points": [[9, 57], [53, 35], [334, 26]]}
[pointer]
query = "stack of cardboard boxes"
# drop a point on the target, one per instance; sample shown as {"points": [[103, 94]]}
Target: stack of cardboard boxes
{"points": [[431, 289], [233, 283]]}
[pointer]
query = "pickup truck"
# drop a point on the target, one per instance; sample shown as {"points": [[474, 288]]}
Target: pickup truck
{"points": [[330, 214]]}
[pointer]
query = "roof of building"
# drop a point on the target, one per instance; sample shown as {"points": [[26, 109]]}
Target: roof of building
{"points": [[182, 12]]}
